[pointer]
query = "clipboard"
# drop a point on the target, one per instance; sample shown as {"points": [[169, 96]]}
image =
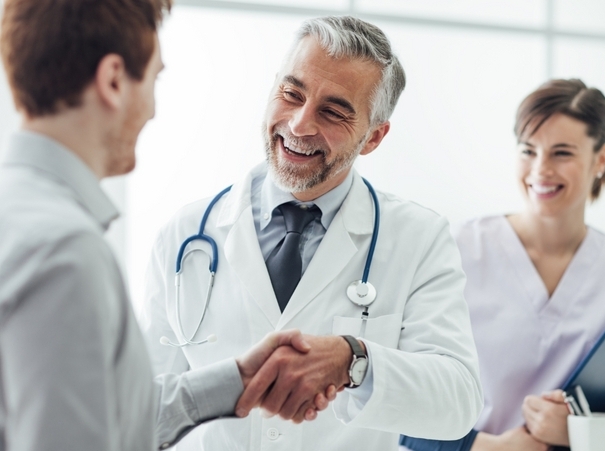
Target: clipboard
{"points": [[590, 374]]}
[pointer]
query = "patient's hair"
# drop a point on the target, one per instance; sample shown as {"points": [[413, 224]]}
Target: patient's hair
{"points": [[51, 48], [571, 98], [349, 37]]}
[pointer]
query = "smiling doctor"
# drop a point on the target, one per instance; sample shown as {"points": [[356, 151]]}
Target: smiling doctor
{"points": [[291, 238]]}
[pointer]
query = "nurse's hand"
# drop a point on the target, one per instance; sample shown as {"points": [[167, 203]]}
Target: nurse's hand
{"points": [[517, 439], [293, 379], [546, 417], [249, 364]]}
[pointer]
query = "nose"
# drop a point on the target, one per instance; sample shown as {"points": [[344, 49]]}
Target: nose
{"points": [[303, 121], [542, 165]]}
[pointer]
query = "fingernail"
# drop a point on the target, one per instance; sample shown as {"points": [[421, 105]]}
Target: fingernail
{"points": [[241, 412]]}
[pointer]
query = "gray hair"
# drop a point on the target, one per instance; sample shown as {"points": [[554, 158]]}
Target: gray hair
{"points": [[353, 38]]}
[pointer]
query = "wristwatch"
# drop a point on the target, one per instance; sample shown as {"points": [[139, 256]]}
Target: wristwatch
{"points": [[359, 364]]}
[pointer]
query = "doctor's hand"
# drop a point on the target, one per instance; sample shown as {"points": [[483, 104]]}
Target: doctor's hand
{"points": [[292, 379], [249, 364], [518, 439], [546, 417]]}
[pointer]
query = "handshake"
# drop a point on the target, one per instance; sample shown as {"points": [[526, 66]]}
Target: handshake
{"points": [[293, 375]]}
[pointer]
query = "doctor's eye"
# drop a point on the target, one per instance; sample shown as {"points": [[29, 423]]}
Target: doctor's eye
{"points": [[527, 152], [334, 115], [292, 95]]}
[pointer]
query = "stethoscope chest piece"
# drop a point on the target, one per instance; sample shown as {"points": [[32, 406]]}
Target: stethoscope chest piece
{"points": [[360, 293]]}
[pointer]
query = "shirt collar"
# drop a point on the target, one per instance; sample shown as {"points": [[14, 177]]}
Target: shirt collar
{"points": [[329, 204], [45, 154]]}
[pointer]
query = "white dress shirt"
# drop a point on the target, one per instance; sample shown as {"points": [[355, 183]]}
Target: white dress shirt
{"points": [[75, 374]]}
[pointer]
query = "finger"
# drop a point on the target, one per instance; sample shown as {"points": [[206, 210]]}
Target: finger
{"points": [[256, 389], [535, 402], [320, 401], [331, 393], [303, 412], [277, 398], [298, 342], [310, 414], [554, 396]]}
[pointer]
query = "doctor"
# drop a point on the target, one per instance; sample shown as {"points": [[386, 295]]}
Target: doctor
{"points": [[330, 103]]}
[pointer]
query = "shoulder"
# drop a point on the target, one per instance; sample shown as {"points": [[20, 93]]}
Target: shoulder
{"points": [[398, 209]]}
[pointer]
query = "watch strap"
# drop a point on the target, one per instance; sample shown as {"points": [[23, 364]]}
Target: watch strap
{"points": [[355, 346], [358, 354]]}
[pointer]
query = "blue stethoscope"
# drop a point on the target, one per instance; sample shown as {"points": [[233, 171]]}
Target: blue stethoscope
{"points": [[360, 292]]}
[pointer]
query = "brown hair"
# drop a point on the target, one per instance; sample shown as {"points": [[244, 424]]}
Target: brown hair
{"points": [[571, 98], [51, 48]]}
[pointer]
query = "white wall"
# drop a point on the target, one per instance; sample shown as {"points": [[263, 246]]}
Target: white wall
{"points": [[451, 144]]}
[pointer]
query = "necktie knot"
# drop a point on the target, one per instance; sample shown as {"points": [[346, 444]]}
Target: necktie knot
{"points": [[296, 218]]}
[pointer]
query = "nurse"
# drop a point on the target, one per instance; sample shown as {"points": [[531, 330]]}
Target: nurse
{"points": [[535, 288]]}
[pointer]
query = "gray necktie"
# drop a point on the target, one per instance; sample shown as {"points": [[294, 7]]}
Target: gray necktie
{"points": [[285, 262]]}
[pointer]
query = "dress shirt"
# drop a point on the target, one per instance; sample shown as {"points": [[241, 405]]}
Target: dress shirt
{"points": [[269, 222], [75, 371]]}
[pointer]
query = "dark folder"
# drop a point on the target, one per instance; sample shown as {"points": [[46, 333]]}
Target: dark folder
{"points": [[590, 374]]}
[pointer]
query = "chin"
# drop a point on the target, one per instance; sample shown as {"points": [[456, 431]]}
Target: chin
{"points": [[122, 167]]}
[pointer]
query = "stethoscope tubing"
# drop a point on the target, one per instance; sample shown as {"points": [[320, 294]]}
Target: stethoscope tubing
{"points": [[182, 255]]}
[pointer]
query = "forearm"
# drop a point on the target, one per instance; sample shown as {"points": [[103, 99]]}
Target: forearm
{"points": [[194, 397]]}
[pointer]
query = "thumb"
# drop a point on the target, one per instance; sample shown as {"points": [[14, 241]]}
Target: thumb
{"points": [[554, 396], [294, 338]]}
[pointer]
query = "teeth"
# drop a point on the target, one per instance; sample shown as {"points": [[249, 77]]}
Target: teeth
{"points": [[544, 189], [294, 149]]}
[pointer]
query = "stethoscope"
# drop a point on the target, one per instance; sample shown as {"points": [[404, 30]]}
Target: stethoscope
{"points": [[360, 292]]}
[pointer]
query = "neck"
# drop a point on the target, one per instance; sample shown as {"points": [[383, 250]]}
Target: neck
{"points": [[74, 130], [550, 235]]}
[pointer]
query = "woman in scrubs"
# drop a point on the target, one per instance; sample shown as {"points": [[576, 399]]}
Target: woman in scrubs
{"points": [[535, 285]]}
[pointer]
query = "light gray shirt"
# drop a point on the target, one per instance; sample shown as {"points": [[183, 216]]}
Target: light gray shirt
{"points": [[75, 373], [269, 222]]}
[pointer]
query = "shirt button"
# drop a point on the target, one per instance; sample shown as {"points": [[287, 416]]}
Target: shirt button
{"points": [[273, 434], [165, 446], [266, 216]]}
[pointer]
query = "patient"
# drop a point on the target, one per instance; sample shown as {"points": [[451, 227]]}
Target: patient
{"points": [[535, 288]]}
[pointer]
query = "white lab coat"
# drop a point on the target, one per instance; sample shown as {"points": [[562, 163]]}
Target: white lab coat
{"points": [[528, 342], [425, 373]]}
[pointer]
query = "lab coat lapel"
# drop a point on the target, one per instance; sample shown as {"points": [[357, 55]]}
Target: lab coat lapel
{"points": [[242, 250], [335, 251]]}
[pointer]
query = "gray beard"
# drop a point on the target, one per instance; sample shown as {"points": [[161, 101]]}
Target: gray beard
{"points": [[287, 177]]}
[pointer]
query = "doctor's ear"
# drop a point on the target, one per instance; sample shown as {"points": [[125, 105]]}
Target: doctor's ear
{"points": [[376, 137], [110, 80]]}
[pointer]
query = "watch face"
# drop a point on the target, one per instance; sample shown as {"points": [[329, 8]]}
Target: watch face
{"points": [[358, 370]]}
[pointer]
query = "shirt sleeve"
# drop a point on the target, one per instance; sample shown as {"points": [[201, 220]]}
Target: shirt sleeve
{"points": [[194, 397], [58, 342]]}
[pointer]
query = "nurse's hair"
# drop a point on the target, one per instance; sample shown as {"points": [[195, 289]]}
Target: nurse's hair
{"points": [[349, 37], [51, 48], [571, 98]]}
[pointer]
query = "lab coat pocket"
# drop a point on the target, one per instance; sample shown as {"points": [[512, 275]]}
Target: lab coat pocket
{"points": [[384, 330]]}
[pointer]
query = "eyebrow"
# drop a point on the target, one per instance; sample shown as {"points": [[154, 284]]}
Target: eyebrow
{"points": [[554, 145], [330, 99]]}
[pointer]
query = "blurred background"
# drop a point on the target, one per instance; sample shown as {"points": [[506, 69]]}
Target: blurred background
{"points": [[451, 147]]}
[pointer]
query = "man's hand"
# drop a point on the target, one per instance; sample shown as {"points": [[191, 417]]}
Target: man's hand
{"points": [[546, 417], [250, 363], [292, 379], [517, 439]]}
